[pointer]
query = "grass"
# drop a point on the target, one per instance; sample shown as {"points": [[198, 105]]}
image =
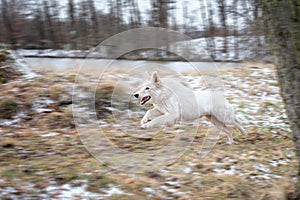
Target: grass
{"points": [[56, 120], [65, 160], [31, 161]]}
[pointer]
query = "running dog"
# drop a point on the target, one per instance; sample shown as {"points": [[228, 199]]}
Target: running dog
{"points": [[174, 102]]}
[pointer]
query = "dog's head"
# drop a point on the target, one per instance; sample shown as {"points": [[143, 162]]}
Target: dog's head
{"points": [[149, 91]]}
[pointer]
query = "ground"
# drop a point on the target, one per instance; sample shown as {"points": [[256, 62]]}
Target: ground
{"points": [[42, 155]]}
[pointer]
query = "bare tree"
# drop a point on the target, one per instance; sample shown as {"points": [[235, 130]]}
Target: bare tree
{"points": [[84, 24], [71, 13], [2, 38], [8, 19], [257, 14], [283, 27], [135, 15], [174, 20], [154, 15], [94, 20], [39, 24], [119, 14], [160, 13], [235, 27], [50, 23], [223, 17], [72, 25], [83, 27], [211, 27], [163, 7], [55, 13], [185, 16]]}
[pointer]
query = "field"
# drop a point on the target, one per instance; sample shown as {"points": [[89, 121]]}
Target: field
{"points": [[43, 156]]}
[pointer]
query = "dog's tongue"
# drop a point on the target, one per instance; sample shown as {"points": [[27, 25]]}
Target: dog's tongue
{"points": [[144, 98]]}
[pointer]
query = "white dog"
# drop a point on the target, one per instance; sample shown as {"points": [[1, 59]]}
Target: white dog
{"points": [[174, 102]]}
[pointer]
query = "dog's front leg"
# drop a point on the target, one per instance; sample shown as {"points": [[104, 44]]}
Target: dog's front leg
{"points": [[168, 119], [150, 114]]}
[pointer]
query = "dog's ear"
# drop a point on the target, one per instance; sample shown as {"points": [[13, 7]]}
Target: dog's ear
{"points": [[155, 79]]}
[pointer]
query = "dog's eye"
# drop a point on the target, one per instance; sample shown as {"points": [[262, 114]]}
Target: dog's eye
{"points": [[147, 88]]}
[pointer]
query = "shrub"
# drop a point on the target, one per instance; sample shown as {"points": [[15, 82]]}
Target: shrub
{"points": [[8, 70], [8, 108], [4, 55]]}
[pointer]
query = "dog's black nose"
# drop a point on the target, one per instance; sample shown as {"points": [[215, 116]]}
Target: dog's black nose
{"points": [[136, 95]]}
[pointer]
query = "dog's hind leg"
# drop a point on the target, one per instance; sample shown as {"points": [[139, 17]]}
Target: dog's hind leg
{"points": [[237, 123], [220, 125]]}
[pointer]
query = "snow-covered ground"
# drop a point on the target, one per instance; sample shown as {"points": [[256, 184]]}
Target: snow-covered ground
{"points": [[238, 48], [52, 53]]}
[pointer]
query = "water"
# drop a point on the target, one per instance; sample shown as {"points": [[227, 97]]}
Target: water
{"points": [[90, 65]]}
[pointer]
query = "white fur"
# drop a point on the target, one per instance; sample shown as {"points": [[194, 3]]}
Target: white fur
{"points": [[174, 102]]}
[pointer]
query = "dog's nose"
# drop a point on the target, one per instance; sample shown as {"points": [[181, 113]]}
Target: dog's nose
{"points": [[136, 95]]}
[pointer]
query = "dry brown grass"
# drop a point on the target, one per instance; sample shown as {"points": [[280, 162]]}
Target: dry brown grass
{"points": [[30, 161]]}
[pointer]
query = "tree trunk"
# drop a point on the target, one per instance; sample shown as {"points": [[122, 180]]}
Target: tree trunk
{"points": [[119, 14], [223, 17], [8, 21], [94, 21], [283, 20], [235, 29], [57, 24], [83, 25], [40, 28], [72, 26], [211, 30], [50, 24], [163, 13], [135, 16]]}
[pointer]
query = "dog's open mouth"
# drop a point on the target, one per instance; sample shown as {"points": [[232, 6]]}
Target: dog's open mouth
{"points": [[145, 100]]}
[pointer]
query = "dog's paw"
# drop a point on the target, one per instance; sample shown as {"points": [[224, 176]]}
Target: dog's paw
{"points": [[229, 142], [144, 121], [144, 126]]}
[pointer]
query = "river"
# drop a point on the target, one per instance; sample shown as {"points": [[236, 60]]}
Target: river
{"points": [[96, 65]]}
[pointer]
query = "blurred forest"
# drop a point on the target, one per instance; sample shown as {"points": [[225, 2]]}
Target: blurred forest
{"points": [[82, 24]]}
